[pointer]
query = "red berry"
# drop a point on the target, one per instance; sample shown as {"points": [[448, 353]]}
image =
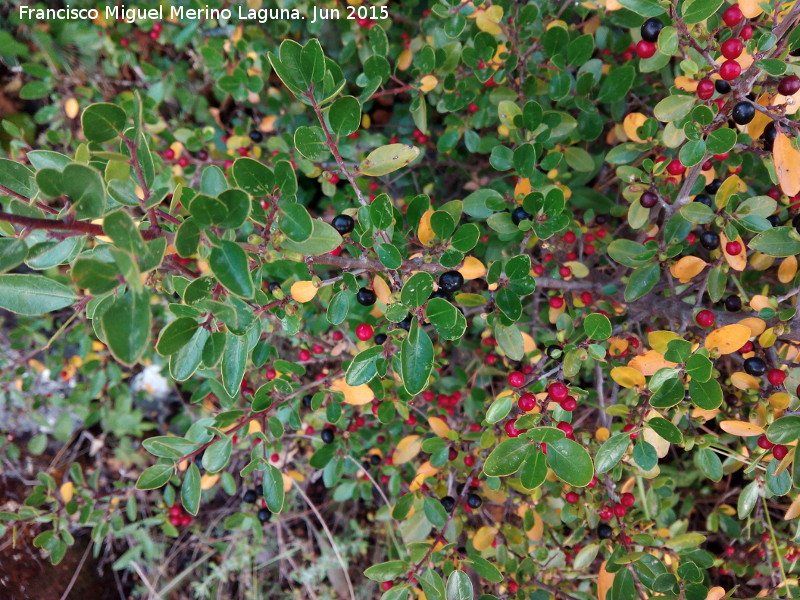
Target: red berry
{"points": [[304, 355], [538, 269], [183, 161], [556, 302], [721, 157], [565, 272], [472, 107], [619, 510], [271, 374], [627, 499], [569, 237], [386, 586], [776, 377], [569, 404], [593, 482], [733, 248], [557, 391], [157, 26], [572, 497], [780, 451], [317, 349], [364, 331], [764, 443], [746, 32], [186, 520], [705, 89], [774, 193], [675, 167], [732, 15], [153, 35], [748, 347], [337, 336], [176, 520], [630, 427], [586, 298], [510, 429], [705, 318], [730, 70], [730, 550], [606, 513], [124, 42], [469, 460], [732, 48], [169, 154], [175, 511], [516, 379], [513, 587], [565, 427], [334, 179], [645, 49], [526, 402]]}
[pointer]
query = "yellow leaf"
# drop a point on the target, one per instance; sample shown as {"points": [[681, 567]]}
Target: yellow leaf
{"points": [[407, 449], [656, 441], [387, 159], [472, 268], [425, 231], [438, 426], [756, 326], [428, 83], [356, 395], [728, 339], [404, 60], [483, 538], [794, 510], [750, 9], [741, 428], [528, 345], [253, 427], [578, 269], [627, 377], [739, 261], [687, 268], [756, 127], [650, 362], [381, 289], [535, 533], [487, 20], [743, 381], [631, 123], [759, 302], [779, 400], [67, 490], [72, 108], [761, 262], [787, 269], [729, 187], [659, 340], [716, 593], [684, 83], [768, 338], [787, 164], [207, 481], [303, 291], [604, 582], [425, 470], [523, 187]]}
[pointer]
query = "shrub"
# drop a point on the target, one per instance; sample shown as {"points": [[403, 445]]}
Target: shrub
{"points": [[485, 299]]}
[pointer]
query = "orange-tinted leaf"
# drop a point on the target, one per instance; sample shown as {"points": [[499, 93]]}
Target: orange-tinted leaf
{"points": [[743, 381], [741, 428], [627, 377], [650, 362], [304, 291], [407, 449], [787, 164], [438, 426], [787, 269], [472, 268], [687, 268], [737, 262], [604, 582], [631, 123], [728, 339], [355, 395], [425, 231], [483, 538]]}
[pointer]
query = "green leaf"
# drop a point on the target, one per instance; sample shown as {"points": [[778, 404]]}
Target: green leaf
{"points": [[709, 464], [363, 367], [778, 241], [323, 239], [273, 489], [459, 586], [217, 455], [18, 178], [747, 499], [228, 262], [387, 571], [707, 395], [673, 108], [234, 361], [617, 84], [12, 252], [311, 143], [176, 335], [345, 115], [509, 339], [123, 232], [156, 476], [610, 453], [190, 490], [784, 430], [721, 141], [641, 281], [417, 289], [570, 462], [597, 327], [416, 359], [295, 222], [126, 326], [387, 159], [28, 294], [696, 11], [665, 429], [102, 121], [84, 187], [506, 458], [645, 8], [339, 307]]}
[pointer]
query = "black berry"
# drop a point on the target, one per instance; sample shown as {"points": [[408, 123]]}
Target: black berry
{"points": [[709, 240], [743, 113], [449, 503], [769, 135], [604, 531], [256, 136], [722, 86], [473, 500], [775, 220], [703, 199], [519, 215], [375, 459], [733, 304], [755, 366], [712, 187], [343, 224], [405, 323], [327, 435], [250, 496], [451, 281], [366, 297], [264, 515], [380, 339], [650, 30], [648, 199]]}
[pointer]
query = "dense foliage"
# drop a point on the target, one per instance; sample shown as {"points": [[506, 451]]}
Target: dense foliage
{"points": [[477, 299]]}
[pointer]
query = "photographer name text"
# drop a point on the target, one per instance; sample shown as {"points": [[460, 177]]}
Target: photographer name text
{"points": [[183, 13]]}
